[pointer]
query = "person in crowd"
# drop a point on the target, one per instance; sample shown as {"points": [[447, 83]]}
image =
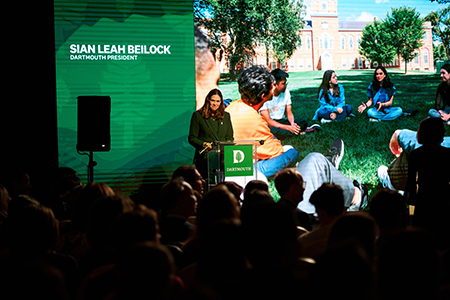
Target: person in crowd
{"points": [[328, 200], [128, 229], [336, 268], [192, 176], [99, 235], [402, 142], [147, 271], [253, 198], [4, 201], [441, 108], [255, 184], [356, 228], [381, 93], [428, 185], [225, 277], [256, 86], [290, 185], [209, 125], [234, 188], [32, 232], [332, 100], [64, 180], [16, 180], [217, 204], [271, 246], [74, 240], [278, 112], [388, 208], [178, 204]]}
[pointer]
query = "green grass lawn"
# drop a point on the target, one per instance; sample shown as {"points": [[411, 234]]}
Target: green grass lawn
{"points": [[366, 143]]}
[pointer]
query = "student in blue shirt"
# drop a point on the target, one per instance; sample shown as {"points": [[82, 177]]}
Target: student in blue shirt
{"points": [[332, 100], [381, 94]]}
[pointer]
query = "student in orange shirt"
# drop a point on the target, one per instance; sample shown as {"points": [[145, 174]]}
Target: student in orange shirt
{"points": [[256, 86]]}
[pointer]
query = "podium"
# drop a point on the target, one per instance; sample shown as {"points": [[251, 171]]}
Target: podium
{"points": [[233, 161]]}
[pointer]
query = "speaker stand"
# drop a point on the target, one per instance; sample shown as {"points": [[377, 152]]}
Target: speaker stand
{"points": [[91, 166]]}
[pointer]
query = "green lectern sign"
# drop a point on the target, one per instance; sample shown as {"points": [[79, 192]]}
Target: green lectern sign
{"points": [[238, 160]]}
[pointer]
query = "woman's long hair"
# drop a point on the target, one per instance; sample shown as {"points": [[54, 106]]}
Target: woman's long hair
{"points": [[325, 86], [206, 111], [386, 83]]}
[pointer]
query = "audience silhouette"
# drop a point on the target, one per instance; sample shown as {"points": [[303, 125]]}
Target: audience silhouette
{"points": [[105, 246]]}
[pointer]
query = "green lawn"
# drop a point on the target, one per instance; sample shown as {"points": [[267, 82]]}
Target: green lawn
{"points": [[366, 143]]}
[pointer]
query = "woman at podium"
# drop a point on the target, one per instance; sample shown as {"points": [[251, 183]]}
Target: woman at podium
{"points": [[209, 124]]}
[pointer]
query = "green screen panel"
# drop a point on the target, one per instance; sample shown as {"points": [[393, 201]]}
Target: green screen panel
{"points": [[141, 54]]}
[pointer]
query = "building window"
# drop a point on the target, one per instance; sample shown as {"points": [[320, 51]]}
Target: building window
{"points": [[324, 25], [358, 41], [309, 63], [300, 63], [326, 39], [342, 41], [416, 58], [308, 42], [274, 65], [360, 62], [291, 64], [425, 57], [350, 42], [425, 36], [300, 44], [324, 6], [344, 63]]}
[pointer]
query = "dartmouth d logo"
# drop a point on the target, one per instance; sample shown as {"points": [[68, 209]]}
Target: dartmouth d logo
{"points": [[238, 156], [238, 160]]}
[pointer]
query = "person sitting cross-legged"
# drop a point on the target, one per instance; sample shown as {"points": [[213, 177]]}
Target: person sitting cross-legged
{"points": [[278, 112]]}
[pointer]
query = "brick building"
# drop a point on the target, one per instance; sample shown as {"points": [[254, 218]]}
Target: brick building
{"points": [[327, 43]]}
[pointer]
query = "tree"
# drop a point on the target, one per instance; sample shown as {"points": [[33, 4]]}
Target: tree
{"points": [[407, 31], [376, 43], [440, 20], [284, 23], [441, 1], [439, 53], [237, 25], [229, 24]]}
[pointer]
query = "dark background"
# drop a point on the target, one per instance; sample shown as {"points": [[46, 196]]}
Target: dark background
{"points": [[28, 107]]}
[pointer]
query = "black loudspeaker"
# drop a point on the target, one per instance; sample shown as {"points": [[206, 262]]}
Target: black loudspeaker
{"points": [[93, 129]]}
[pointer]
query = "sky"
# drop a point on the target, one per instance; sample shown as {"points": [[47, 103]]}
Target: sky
{"points": [[366, 10]]}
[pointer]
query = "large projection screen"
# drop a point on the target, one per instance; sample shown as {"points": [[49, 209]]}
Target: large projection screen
{"points": [[141, 54]]}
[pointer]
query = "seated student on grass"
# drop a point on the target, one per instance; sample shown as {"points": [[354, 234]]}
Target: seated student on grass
{"points": [[441, 108], [256, 86], [332, 100], [381, 93], [278, 112]]}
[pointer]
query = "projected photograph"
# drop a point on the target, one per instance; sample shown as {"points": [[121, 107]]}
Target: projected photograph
{"points": [[144, 56], [313, 41]]}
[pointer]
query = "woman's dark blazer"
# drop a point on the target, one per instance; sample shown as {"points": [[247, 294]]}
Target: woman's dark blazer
{"points": [[200, 132]]}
